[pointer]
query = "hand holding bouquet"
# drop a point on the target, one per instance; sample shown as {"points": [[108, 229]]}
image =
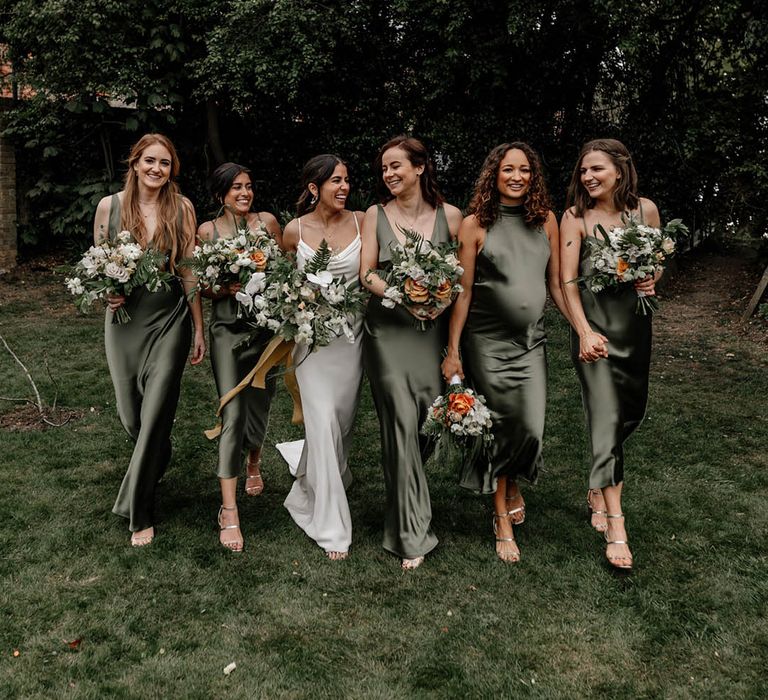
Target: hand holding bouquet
{"points": [[235, 259], [115, 269], [424, 277], [311, 307], [629, 253], [459, 421]]}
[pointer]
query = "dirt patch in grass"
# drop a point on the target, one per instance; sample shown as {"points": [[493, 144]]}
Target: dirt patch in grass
{"points": [[40, 281], [28, 417], [706, 296]]}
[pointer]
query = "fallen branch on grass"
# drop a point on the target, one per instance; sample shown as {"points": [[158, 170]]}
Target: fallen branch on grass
{"points": [[38, 402]]}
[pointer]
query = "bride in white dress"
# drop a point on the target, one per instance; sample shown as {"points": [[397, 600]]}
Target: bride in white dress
{"points": [[329, 378]]}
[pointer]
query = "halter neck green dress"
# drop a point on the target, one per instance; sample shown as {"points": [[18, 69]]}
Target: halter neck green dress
{"points": [[504, 347], [245, 418], [403, 368], [614, 390], [146, 359]]}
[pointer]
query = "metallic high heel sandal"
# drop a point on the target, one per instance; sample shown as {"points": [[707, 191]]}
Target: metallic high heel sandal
{"points": [[614, 561], [593, 512], [234, 546], [517, 515], [507, 557], [254, 485]]}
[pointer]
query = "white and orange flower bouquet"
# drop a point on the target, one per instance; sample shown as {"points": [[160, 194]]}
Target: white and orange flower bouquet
{"points": [[310, 307], [459, 420], [234, 259], [422, 274], [629, 253]]}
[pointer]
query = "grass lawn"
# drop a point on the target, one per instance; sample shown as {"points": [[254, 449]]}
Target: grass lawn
{"points": [[164, 621]]}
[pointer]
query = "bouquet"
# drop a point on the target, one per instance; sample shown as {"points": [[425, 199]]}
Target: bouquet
{"points": [[235, 259], [629, 253], [459, 421], [422, 274], [310, 306], [116, 268]]}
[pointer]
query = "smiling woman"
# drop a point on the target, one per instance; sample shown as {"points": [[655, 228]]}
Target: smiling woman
{"points": [[509, 247], [244, 418], [610, 343], [403, 361], [329, 378], [146, 356]]}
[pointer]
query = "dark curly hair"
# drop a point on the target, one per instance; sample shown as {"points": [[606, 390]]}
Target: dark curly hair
{"points": [[485, 195], [417, 155], [625, 197]]}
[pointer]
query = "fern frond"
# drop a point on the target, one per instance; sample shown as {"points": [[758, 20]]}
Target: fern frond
{"points": [[320, 259]]}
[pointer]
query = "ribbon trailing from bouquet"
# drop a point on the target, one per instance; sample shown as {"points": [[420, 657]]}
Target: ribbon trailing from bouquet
{"points": [[278, 352]]}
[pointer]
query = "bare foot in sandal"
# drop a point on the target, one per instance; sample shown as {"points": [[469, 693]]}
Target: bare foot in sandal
{"points": [[254, 484], [596, 504]]}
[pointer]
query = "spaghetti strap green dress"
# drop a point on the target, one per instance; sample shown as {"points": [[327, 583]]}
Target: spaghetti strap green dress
{"points": [[403, 368], [504, 348], [614, 390], [245, 418], [146, 358]]}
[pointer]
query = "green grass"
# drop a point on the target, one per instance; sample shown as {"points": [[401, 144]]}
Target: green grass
{"points": [[690, 622]]}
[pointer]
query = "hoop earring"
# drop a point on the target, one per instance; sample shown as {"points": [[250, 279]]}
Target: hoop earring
{"points": [[313, 201]]}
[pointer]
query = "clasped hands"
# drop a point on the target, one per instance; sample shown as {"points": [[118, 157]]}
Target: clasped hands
{"points": [[426, 313]]}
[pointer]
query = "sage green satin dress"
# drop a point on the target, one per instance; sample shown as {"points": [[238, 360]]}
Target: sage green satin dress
{"points": [[146, 358], [245, 418], [504, 348], [614, 390], [403, 368]]}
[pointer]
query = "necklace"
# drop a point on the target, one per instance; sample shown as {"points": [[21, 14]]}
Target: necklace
{"points": [[329, 234], [412, 222], [144, 206]]}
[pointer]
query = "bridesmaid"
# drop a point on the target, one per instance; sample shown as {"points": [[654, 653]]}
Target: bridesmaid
{"points": [[610, 343], [329, 378], [244, 418], [509, 247], [401, 361], [146, 355]]}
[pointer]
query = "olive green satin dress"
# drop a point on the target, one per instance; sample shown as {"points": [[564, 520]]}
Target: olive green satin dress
{"points": [[503, 347], [146, 358], [244, 419], [403, 368], [614, 390]]}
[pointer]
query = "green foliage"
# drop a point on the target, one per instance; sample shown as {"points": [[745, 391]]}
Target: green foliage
{"points": [[319, 261], [273, 82]]}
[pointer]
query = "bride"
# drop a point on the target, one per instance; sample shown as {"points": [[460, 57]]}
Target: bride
{"points": [[329, 378]]}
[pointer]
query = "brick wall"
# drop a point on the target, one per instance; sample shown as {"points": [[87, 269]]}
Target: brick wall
{"points": [[7, 206]]}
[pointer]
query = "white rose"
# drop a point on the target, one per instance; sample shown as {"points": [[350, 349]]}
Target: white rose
{"points": [[117, 272]]}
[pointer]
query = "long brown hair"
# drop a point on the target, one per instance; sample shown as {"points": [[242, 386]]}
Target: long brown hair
{"points": [[625, 197], [418, 155], [485, 196], [170, 234]]}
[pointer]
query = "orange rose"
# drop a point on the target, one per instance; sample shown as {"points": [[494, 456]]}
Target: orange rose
{"points": [[443, 291], [621, 267], [260, 259], [416, 291], [460, 403]]}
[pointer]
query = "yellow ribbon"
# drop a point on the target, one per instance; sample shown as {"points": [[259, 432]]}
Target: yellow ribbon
{"points": [[277, 352]]}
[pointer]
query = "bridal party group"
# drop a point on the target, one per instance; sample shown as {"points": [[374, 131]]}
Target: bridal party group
{"points": [[514, 253]]}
